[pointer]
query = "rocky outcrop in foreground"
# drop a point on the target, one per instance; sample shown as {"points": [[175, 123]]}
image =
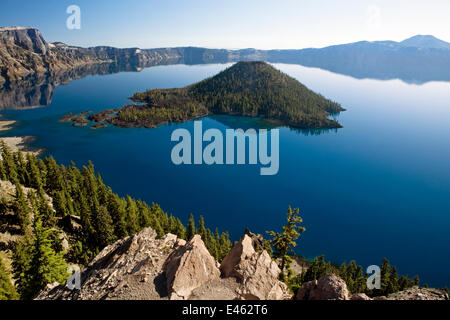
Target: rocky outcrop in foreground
{"points": [[416, 293], [143, 267], [329, 287], [332, 287], [188, 268], [257, 272]]}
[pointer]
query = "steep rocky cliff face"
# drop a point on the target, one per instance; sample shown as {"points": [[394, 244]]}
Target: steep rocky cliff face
{"points": [[17, 57], [23, 51], [25, 38]]}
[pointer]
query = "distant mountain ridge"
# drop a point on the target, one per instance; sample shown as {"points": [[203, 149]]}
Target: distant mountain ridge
{"points": [[425, 41], [418, 41]]}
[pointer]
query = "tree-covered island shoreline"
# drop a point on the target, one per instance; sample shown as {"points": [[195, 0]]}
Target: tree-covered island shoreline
{"points": [[250, 88]]}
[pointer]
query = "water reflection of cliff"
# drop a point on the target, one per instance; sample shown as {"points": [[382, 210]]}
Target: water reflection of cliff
{"points": [[38, 89], [33, 92]]}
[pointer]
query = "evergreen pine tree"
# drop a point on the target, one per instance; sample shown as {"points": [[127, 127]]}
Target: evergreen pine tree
{"points": [[201, 230], [317, 269], [180, 230], [354, 278], [21, 263], [163, 219], [86, 221], [394, 285], [157, 227], [105, 229], [8, 163], [102, 190], [46, 266], [35, 174], [55, 181], [21, 209], [209, 243], [21, 166], [45, 211], [132, 216], [116, 209], [403, 283], [224, 245], [144, 215], [385, 277], [42, 169], [283, 241], [191, 228], [7, 289], [2, 171], [172, 224], [60, 203]]}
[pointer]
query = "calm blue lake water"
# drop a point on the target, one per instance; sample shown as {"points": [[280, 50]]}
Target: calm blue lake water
{"points": [[379, 187]]}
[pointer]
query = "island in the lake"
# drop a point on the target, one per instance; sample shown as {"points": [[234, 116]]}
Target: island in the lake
{"points": [[248, 88]]}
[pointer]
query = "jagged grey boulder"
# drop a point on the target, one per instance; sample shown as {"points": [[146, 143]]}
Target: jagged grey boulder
{"points": [[329, 287], [188, 268], [256, 271], [241, 251]]}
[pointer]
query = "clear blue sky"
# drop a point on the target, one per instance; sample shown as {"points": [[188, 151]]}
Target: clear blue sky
{"points": [[260, 24]]}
